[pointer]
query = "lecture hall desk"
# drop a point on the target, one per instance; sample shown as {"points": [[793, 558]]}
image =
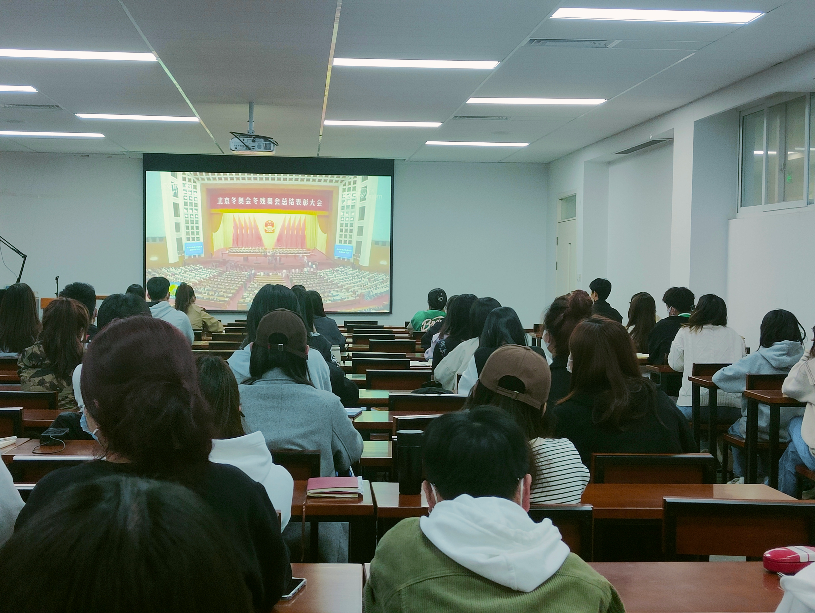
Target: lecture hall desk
{"points": [[330, 588]]}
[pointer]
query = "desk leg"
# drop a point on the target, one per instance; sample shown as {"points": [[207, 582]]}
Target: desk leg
{"points": [[362, 540], [696, 413], [751, 441], [712, 419], [775, 425]]}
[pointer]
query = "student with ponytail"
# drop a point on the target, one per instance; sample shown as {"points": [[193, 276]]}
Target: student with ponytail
{"points": [[144, 406]]}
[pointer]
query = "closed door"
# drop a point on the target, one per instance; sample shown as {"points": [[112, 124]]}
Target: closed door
{"points": [[566, 254]]}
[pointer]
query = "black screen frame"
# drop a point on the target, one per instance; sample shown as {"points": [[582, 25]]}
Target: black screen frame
{"points": [[169, 162]]}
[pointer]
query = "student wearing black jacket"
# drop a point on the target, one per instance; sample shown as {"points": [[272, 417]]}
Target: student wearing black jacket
{"points": [[600, 291], [679, 301], [612, 408], [559, 321]]}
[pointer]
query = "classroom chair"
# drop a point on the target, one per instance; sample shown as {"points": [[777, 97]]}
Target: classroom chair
{"points": [[302, 464], [408, 345], [362, 365], [11, 421], [421, 403], [734, 527], [397, 379], [653, 468], [574, 522]]}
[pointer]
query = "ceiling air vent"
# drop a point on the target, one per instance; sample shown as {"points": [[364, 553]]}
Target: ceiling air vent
{"points": [[578, 43], [482, 117], [645, 145], [32, 107]]}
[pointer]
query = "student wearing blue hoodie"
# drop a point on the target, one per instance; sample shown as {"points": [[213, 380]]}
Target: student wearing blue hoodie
{"points": [[780, 347]]}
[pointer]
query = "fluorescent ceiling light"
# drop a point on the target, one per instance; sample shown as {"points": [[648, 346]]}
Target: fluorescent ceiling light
{"points": [[52, 134], [383, 124], [550, 101], [136, 117], [18, 88], [657, 15], [462, 143], [381, 63], [49, 54]]}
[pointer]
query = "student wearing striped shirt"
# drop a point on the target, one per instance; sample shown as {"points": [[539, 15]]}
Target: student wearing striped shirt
{"points": [[516, 379]]}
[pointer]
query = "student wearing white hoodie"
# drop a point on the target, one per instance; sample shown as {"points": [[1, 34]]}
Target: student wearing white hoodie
{"points": [[780, 347], [232, 444], [478, 550], [799, 592]]}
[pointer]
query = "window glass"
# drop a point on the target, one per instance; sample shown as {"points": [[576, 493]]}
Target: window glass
{"points": [[785, 151], [568, 207], [752, 159]]}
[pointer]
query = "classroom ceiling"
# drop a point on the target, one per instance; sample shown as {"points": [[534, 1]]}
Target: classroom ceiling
{"points": [[216, 57]]}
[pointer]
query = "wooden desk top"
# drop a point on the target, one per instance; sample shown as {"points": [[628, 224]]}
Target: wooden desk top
{"points": [[693, 587], [661, 368], [374, 398], [389, 503], [74, 450], [317, 507], [382, 421], [705, 381], [644, 500], [773, 397], [39, 418], [332, 588], [377, 453]]}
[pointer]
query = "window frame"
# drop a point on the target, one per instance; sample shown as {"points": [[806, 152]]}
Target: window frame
{"points": [[764, 107]]}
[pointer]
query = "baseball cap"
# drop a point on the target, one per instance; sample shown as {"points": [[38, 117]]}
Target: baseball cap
{"points": [[283, 330], [524, 364]]}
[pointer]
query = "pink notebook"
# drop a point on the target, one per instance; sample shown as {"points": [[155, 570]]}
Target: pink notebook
{"points": [[334, 487]]}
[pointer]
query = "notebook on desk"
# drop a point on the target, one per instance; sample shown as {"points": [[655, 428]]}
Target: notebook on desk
{"points": [[353, 411], [334, 487]]}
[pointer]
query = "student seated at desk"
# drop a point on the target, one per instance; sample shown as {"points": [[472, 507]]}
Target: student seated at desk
{"points": [[706, 339], [423, 320], [143, 405], [642, 317], [478, 550], [123, 544], [455, 329], [799, 384], [199, 319], [232, 445], [19, 320], [679, 301], [781, 345], [559, 322], [516, 380], [323, 324], [10, 504], [48, 364], [612, 408], [502, 327]]}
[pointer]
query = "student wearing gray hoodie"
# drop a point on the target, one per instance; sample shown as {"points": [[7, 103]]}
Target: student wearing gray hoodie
{"points": [[780, 347]]}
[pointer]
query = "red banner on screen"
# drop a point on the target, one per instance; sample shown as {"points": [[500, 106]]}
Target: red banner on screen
{"points": [[258, 198]]}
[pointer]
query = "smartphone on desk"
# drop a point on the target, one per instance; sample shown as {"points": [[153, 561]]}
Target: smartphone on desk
{"points": [[297, 584]]}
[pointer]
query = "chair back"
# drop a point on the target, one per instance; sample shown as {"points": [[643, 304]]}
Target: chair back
{"points": [[765, 382], [360, 323], [412, 422], [11, 421], [653, 468], [706, 370], [224, 345], [29, 400], [362, 365], [228, 336], [408, 345], [302, 464], [574, 521], [378, 354], [363, 338], [734, 527], [420, 403], [8, 366], [417, 335], [24, 489], [397, 379]]}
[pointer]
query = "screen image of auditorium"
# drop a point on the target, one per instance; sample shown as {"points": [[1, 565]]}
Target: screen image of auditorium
{"points": [[227, 234]]}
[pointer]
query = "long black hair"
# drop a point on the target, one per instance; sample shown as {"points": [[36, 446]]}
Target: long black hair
{"points": [[268, 298], [457, 321], [502, 327]]}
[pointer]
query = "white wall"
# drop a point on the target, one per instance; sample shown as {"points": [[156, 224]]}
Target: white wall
{"points": [[476, 228], [639, 225], [76, 216], [752, 262], [769, 264]]}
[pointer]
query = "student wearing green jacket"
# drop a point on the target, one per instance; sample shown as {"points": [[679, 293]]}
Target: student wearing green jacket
{"points": [[478, 551]]}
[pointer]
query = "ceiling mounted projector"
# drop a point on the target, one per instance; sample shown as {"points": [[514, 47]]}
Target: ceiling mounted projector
{"points": [[250, 143]]}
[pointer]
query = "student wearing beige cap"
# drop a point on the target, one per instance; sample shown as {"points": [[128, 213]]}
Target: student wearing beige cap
{"points": [[516, 379]]}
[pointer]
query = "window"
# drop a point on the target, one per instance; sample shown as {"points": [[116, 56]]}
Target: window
{"points": [[568, 208], [176, 210], [360, 230], [777, 168], [361, 213], [179, 245]]}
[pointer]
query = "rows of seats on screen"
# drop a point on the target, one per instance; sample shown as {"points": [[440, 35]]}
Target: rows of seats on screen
{"points": [[229, 234]]}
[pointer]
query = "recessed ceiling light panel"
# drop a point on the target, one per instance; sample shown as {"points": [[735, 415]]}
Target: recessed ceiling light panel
{"points": [[23, 89], [539, 101], [382, 124], [51, 134], [136, 117], [385, 63], [462, 143], [666, 16], [49, 54]]}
